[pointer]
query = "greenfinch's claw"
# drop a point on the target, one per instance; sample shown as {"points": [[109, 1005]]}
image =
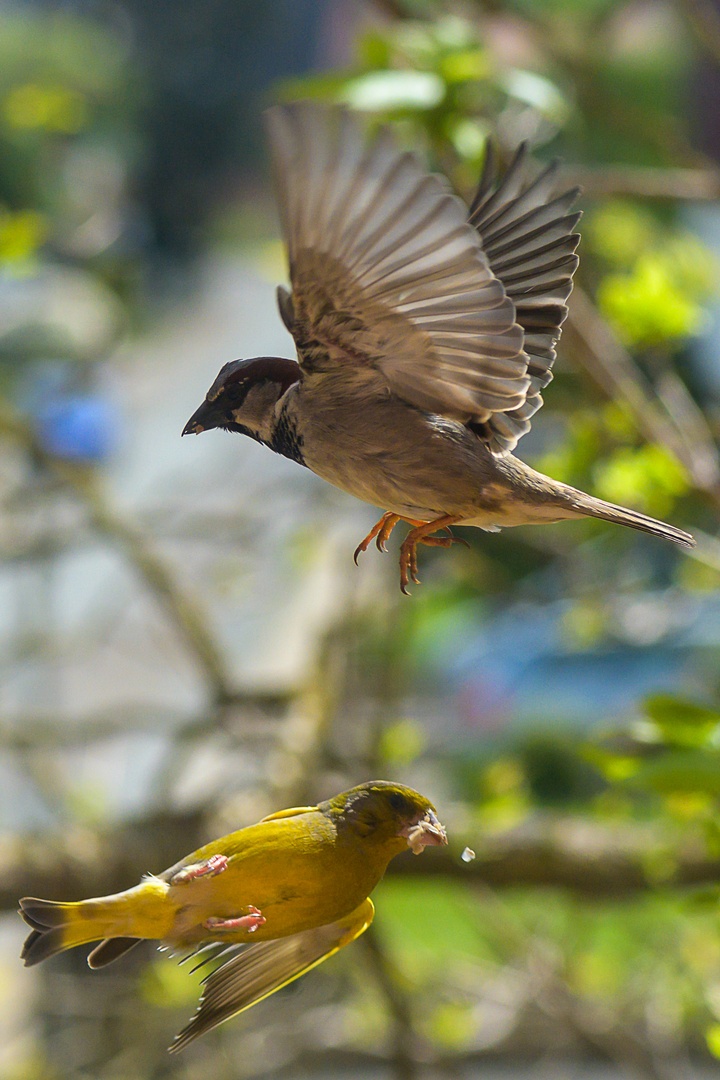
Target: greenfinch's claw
{"points": [[209, 868], [249, 922]]}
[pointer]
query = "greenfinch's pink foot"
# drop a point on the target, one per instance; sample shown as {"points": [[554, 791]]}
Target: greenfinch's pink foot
{"points": [[209, 868], [249, 922]]}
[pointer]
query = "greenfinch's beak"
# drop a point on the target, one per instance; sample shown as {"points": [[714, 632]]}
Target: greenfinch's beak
{"points": [[426, 832]]}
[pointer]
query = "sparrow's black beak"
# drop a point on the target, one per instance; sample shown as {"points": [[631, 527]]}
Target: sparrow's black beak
{"points": [[204, 418]]}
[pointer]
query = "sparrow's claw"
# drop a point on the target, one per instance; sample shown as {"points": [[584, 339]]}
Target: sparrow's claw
{"points": [[208, 868], [421, 535], [249, 922], [389, 522], [408, 566], [381, 530], [443, 541]]}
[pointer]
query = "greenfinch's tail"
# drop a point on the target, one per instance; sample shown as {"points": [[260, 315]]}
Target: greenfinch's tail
{"points": [[52, 929], [141, 912]]}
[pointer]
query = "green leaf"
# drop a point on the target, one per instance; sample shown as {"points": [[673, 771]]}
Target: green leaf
{"points": [[21, 234], [667, 710], [394, 90], [618, 231], [712, 1037], [694, 266], [616, 768], [681, 722], [680, 772], [36, 107], [648, 477], [402, 742], [375, 51], [537, 91], [649, 305], [465, 65]]}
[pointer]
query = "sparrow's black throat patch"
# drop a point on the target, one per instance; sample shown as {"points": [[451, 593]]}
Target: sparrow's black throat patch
{"points": [[286, 439]]}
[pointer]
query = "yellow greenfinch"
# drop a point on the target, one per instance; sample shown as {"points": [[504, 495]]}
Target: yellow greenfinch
{"points": [[296, 885]]}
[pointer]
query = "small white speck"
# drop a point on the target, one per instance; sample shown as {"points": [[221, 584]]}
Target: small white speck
{"points": [[468, 855]]}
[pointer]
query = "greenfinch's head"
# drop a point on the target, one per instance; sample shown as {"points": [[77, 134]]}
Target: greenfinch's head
{"points": [[383, 811]]}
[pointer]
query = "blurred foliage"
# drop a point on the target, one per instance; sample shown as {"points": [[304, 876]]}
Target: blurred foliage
{"points": [[444, 87], [73, 246], [651, 965], [600, 83], [668, 761], [602, 449], [655, 280], [68, 114], [21, 235]]}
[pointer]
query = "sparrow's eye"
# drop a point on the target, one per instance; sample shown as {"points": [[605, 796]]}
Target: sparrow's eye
{"points": [[233, 390]]}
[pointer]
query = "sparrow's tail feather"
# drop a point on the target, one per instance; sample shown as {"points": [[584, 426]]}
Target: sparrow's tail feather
{"points": [[621, 515]]}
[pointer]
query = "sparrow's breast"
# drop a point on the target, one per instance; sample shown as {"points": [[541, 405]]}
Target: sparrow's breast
{"points": [[387, 453]]}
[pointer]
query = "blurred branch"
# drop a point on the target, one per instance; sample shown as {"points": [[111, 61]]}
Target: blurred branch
{"points": [[644, 182], [615, 1041], [65, 732], [82, 861], [301, 722], [666, 416], [588, 861], [545, 964], [394, 10], [403, 1058], [703, 19], [184, 613]]}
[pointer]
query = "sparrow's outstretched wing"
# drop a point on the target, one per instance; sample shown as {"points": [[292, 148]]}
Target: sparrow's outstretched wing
{"points": [[527, 235], [256, 971], [388, 276]]}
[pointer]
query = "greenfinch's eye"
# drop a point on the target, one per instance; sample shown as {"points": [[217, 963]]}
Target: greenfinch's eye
{"points": [[397, 801]]}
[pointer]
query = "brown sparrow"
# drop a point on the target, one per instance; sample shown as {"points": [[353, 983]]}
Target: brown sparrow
{"points": [[424, 332]]}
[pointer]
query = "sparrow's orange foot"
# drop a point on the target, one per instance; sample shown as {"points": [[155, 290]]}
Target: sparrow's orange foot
{"points": [[209, 868], [420, 535], [249, 922], [381, 530]]}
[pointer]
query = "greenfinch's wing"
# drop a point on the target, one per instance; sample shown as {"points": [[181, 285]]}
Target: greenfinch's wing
{"points": [[259, 970], [292, 812]]}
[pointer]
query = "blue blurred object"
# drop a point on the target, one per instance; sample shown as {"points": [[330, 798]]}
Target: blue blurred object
{"points": [[518, 669], [79, 427]]}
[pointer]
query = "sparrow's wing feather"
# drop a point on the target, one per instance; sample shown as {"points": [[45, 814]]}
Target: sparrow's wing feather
{"points": [[530, 244], [256, 971], [388, 276]]}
